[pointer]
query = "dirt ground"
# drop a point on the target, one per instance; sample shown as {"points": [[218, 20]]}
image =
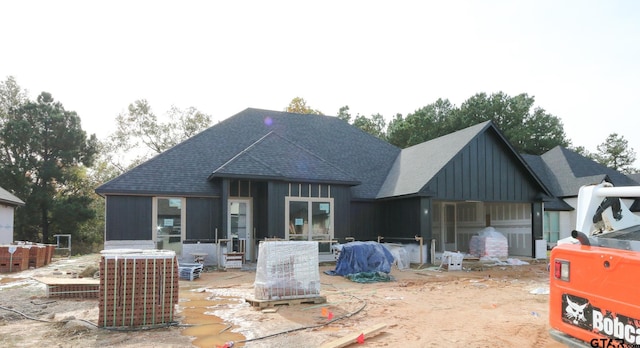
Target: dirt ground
{"points": [[484, 305]]}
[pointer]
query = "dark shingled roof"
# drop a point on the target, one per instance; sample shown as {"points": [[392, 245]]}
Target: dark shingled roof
{"points": [[275, 157], [263, 144], [564, 171], [635, 177], [546, 176]]}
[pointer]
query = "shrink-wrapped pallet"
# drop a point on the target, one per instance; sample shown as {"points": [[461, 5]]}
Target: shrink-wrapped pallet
{"points": [[287, 270], [489, 243]]}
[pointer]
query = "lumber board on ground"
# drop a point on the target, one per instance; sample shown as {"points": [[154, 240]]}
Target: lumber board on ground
{"points": [[353, 338], [286, 302]]}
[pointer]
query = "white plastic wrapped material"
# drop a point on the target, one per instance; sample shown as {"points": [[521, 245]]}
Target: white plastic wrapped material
{"points": [[287, 270], [400, 255], [489, 243], [452, 260]]}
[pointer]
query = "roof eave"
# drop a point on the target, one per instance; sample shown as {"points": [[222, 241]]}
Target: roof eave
{"points": [[12, 203], [283, 178]]}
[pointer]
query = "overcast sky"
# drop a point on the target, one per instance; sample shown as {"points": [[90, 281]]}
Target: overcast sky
{"points": [[579, 59]]}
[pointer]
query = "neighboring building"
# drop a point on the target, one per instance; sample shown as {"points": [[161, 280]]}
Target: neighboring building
{"points": [[267, 174], [8, 204], [564, 171]]}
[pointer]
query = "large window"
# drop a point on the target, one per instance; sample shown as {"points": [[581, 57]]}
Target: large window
{"points": [[310, 219], [169, 219], [551, 226]]}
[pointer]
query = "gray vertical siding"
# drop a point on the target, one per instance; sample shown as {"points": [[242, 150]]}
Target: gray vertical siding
{"points": [[276, 191], [224, 207], [485, 170], [426, 221], [128, 218], [366, 221], [403, 218], [259, 192], [203, 218], [341, 210], [537, 215]]}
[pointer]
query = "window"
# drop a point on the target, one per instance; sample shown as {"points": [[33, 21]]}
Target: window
{"points": [[240, 188], [551, 227], [309, 219], [169, 218]]}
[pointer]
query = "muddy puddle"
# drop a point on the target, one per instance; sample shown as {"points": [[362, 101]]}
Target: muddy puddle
{"points": [[208, 329], [9, 280]]}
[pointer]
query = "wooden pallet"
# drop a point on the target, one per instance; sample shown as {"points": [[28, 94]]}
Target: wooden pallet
{"points": [[286, 302]]}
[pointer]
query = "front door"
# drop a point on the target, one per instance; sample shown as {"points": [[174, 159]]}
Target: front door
{"points": [[239, 225], [449, 227]]}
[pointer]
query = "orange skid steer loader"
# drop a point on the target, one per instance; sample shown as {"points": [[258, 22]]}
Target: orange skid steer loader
{"points": [[595, 274]]}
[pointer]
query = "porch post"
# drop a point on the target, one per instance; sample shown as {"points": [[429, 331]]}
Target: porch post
{"points": [[224, 234], [426, 226], [537, 215]]}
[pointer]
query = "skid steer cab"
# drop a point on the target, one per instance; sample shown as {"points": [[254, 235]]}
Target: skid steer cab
{"points": [[595, 275]]}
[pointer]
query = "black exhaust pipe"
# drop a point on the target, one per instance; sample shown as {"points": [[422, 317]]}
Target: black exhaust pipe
{"points": [[581, 237]]}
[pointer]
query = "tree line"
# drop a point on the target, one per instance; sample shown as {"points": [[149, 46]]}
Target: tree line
{"points": [[49, 161], [530, 129]]}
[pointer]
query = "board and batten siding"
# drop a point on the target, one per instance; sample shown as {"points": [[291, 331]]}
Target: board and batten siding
{"points": [[403, 218], [204, 217], [366, 220], [128, 218], [484, 170]]}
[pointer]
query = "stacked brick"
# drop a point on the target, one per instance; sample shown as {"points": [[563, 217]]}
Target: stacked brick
{"points": [[51, 249], [137, 288], [37, 255], [13, 258], [73, 291], [22, 256]]}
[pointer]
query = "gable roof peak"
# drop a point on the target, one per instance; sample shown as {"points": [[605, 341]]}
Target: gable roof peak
{"points": [[245, 150], [416, 165]]}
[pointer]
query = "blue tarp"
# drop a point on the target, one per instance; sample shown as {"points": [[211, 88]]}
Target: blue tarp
{"points": [[357, 257]]}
